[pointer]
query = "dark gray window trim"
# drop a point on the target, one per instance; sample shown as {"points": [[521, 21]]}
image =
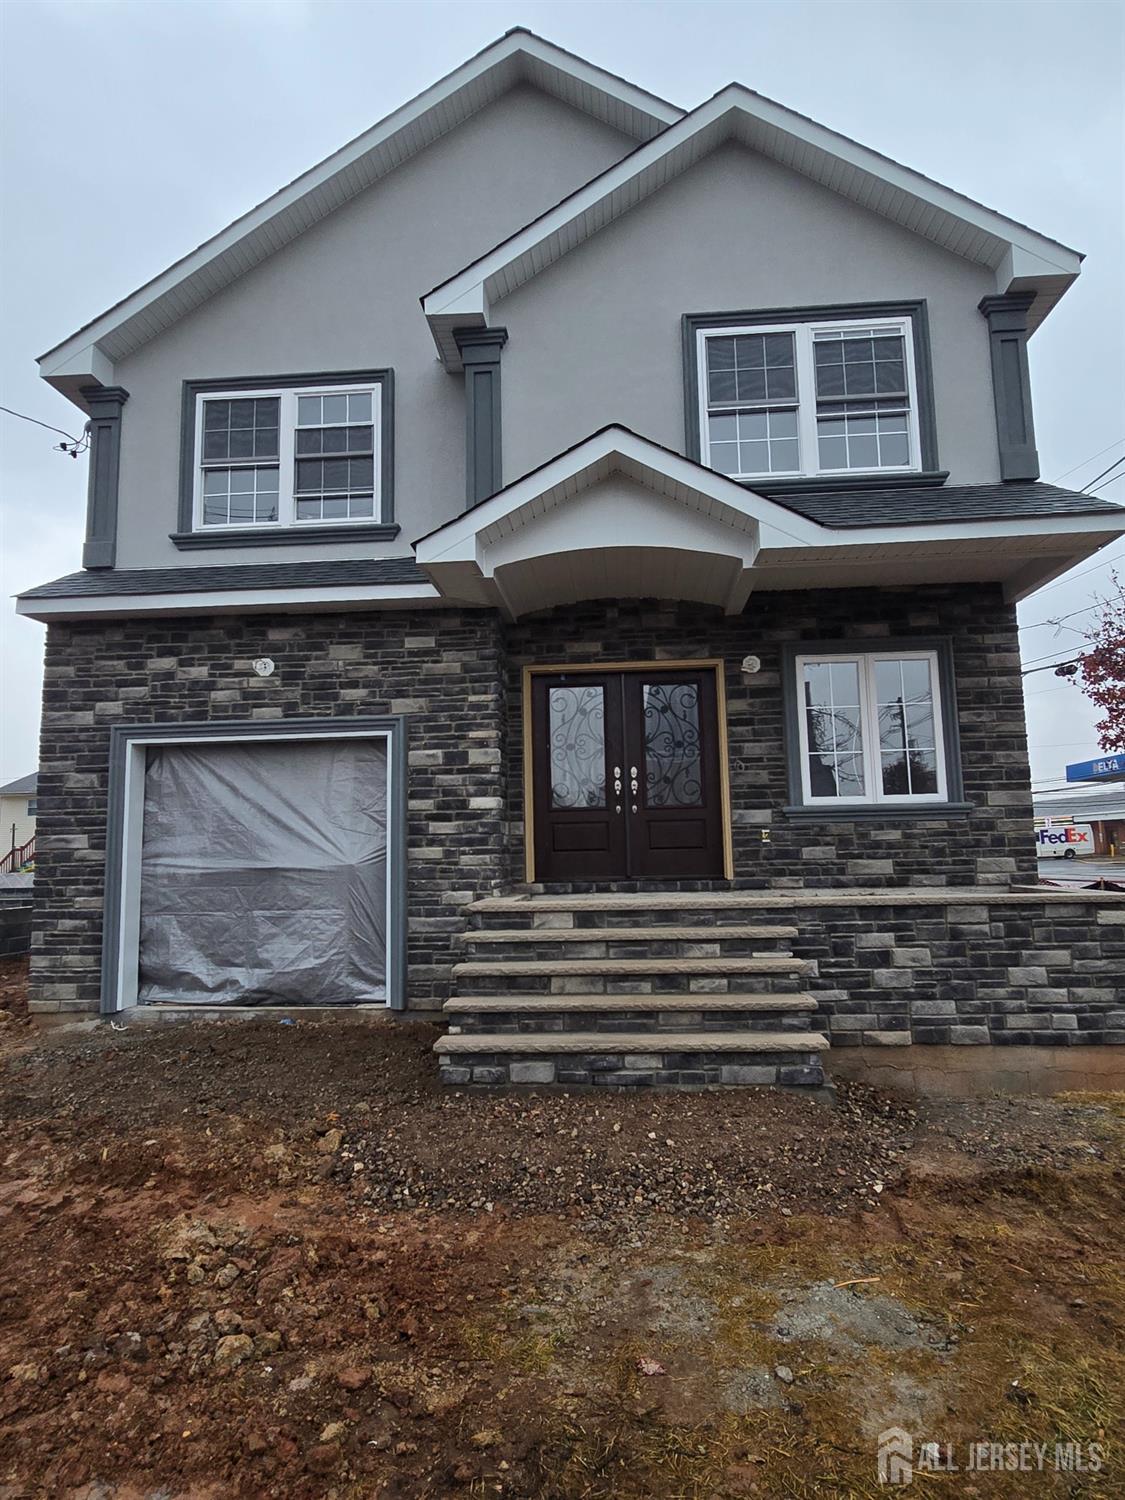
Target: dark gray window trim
{"points": [[1011, 383], [284, 536], [827, 484], [122, 736], [915, 310], [385, 379], [942, 646], [480, 354], [104, 403]]}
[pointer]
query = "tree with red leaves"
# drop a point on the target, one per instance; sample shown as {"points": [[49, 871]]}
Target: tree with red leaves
{"points": [[1102, 667]]}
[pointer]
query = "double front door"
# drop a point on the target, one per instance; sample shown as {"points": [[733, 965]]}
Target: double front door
{"points": [[625, 774]]}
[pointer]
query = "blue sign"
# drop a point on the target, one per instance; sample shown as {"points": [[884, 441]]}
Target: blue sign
{"points": [[1108, 768]]}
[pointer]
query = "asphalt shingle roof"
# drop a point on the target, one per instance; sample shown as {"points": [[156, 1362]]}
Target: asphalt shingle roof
{"points": [[841, 510], [110, 582], [23, 786], [960, 502]]}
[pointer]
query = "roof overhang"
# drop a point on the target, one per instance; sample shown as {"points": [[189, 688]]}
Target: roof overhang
{"points": [[1021, 259], [580, 526], [88, 356], [70, 608]]}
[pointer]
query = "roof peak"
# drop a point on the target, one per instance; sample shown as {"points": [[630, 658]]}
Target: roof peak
{"points": [[518, 57]]}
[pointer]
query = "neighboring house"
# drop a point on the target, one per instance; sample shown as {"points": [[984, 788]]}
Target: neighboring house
{"points": [[663, 563], [17, 821]]}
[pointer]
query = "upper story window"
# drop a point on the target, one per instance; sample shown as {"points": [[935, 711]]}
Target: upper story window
{"points": [[809, 398], [289, 456]]}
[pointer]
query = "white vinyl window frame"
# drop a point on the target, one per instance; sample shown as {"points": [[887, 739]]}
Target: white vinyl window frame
{"points": [[121, 953], [286, 397], [808, 445], [874, 795]]}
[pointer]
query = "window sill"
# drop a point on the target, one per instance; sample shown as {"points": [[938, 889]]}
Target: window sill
{"points": [[873, 812], [285, 536], [821, 483]]}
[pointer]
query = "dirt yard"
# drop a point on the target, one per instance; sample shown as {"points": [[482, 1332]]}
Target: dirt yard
{"points": [[268, 1260]]}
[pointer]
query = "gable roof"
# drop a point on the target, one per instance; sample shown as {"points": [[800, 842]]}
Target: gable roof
{"points": [[519, 56], [534, 543], [1023, 259], [24, 786]]}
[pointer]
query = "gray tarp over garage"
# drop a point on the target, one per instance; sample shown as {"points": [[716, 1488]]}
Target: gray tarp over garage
{"points": [[264, 873]]}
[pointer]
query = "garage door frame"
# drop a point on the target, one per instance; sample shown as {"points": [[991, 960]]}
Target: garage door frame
{"points": [[125, 821]]}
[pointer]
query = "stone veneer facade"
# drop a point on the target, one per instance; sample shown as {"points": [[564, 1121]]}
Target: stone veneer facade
{"points": [[440, 668], [993, 845], [953, 973]]}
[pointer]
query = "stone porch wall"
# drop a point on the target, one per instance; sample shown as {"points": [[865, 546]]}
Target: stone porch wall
{"points": [[993, 845], [1010, 970], [440, 668]]}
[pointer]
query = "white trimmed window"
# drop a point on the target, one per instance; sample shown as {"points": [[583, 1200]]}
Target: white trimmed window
{"points": [[287, 457], [804, 399], [870, 727]]}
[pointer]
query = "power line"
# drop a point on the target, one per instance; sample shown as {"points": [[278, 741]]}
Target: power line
{"points": [[1089, 460], [1060, 618], [1032, 662], [1095, 488], [77, 445], [1087, 488]]}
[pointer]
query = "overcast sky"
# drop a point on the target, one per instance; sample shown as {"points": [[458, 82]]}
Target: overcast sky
{"points": [[131, 132]]}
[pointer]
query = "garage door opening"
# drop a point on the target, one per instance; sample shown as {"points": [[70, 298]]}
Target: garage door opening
{"points": [[255, 870]]}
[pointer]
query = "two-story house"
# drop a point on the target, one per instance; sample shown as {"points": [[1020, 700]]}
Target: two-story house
{"points": [[557, 560]]}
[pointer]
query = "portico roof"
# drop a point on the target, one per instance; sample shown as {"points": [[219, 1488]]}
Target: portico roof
{"points": [[618, 516]]}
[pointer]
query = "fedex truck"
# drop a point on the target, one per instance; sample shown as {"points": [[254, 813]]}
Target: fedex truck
{"points": [[1065, 843]]}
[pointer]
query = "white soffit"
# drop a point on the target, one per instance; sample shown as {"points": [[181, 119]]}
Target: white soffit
{"points": [[518, 57], [1022, 259]]}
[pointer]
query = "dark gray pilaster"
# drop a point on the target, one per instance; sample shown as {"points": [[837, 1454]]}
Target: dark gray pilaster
{"points": [[1011, 383], [105, 403], [480, 353]]}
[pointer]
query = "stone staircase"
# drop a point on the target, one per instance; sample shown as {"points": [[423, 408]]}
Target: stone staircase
{"points": [[629, 990]]}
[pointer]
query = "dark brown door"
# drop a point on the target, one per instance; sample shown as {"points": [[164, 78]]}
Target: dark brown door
{"points": [[625, 775], [578, 760]]}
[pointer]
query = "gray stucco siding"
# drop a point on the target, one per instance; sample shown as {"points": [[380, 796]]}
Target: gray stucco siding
{"points": [[597, 337], [344, 296]]}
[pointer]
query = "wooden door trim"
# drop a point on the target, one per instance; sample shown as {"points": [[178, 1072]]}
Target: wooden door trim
{"points": [[696, 664]]}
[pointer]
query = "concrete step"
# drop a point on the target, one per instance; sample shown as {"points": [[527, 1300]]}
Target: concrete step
{"points": [[645, 901], [664, 1015], [556, 1004], [621, 968], [636, 1059], [627, 934], [641, 1041]]}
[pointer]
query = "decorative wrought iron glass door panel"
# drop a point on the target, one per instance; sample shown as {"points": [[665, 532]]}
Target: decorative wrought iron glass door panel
{"points": [[672, 739], [626, 775], [578, 776]]}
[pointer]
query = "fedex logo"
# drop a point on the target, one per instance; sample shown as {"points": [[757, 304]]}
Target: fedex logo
{"points": [[1077, 839]]}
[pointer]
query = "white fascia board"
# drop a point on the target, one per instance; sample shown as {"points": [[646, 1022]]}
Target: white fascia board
{"points": [[1101, 523], [740, 113], [458, 540], [227, 601], [519, 50]]}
